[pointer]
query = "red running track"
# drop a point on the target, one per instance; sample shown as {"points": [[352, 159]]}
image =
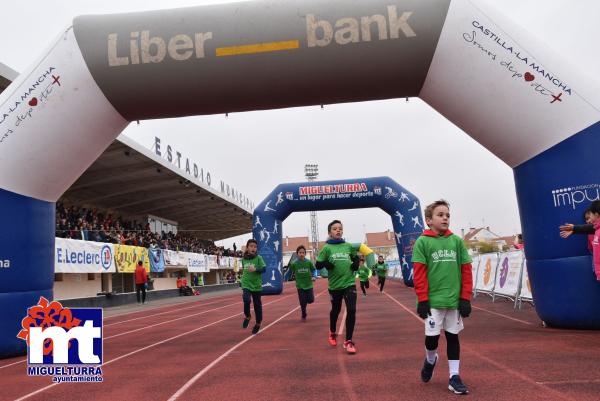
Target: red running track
{"points": [[198, 351]]}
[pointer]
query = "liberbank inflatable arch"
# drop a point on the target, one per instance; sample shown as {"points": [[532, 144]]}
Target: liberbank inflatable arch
{"points": [[403, 207], [529, 107]]}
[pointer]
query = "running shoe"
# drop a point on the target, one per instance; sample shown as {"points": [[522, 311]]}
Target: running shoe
{"points": [[349, 347], [255, 328], [457, 386], [246, 322], [427, 370], [332, 339]]}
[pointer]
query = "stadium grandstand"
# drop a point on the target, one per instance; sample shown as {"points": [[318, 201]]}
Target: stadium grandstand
{"points": [[131, 196]]}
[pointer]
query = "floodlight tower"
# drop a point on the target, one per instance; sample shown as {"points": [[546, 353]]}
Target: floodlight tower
{"points": [[311, 172]]}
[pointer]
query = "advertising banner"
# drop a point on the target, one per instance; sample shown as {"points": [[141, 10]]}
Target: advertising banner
{"points": [[73, 256], [157, 260], [196, 263], [487, 272], [525, 284], [509, 273], [212, 262], [127, 256]]}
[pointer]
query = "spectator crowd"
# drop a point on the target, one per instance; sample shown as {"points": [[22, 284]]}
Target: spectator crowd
{"points": [[92, 225]]}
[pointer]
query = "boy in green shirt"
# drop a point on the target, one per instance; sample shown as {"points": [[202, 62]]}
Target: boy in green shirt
{"points": [[443, 283], [381, 267], [340, 259], [253, 266], [304, 271], [363, 275]]}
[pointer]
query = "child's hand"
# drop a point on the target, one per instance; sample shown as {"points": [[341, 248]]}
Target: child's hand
{"points": [[566, 234], [566, 230], [423, 309], [566, 227], [464, 307], [251, 268]]}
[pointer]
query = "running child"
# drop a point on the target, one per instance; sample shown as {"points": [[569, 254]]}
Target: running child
{"points": [[253, 266], [443, 283], [304, 272], [382, 268], [363, 275], [341, 261]]}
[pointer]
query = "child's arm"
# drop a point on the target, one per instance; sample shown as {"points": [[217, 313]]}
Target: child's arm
{"points": [[568, 229], [583, 229], [421, 282], [466, 289], [466, 274], [261, 265], [422, 289]]}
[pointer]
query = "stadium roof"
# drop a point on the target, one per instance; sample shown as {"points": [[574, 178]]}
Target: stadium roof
{"points": [[7, 75], [130, 179]]}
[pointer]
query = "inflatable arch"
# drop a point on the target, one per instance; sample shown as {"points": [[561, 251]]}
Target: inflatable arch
{"points": [[528, 106], [403, 207]]}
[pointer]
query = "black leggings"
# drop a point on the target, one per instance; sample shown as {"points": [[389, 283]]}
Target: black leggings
{"points": [[453, 345], [363, 285], [253, 296], [381, 283], [349, 296], [305, 297], [140, 288]]}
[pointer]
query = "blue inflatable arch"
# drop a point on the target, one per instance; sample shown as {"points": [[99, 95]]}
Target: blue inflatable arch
{"points": [[504, 88], [403, 207]]}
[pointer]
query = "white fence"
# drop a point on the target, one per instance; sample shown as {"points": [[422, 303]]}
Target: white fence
{"points": [[496, 274], [502, 275]]}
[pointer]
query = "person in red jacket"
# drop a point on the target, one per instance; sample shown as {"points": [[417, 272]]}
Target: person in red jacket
{"points": [[141, 278], [443, 283]]}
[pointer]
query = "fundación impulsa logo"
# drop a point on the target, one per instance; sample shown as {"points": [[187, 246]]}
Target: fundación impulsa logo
{"points": [[63, 343]]}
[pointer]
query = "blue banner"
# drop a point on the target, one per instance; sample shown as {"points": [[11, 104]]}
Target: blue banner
{"points": [[157, 260]]}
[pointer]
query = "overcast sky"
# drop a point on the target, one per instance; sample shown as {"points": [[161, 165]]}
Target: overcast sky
{"points": [[408, 141]]}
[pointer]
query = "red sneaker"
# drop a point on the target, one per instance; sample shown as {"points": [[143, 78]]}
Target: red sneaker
{"points": [[349, 346], [332, 339]]}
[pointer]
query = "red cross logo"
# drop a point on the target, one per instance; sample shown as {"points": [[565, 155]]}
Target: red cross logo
{"points": [[557, 98]]}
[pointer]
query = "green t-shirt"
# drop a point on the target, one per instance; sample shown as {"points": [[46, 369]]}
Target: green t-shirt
{"points": [[363, 273], [304, 271], [443, 257], [252, 280], [381, 269], [341, 276]]}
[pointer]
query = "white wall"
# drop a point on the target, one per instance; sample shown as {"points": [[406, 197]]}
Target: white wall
{"points": [[77, 285]]}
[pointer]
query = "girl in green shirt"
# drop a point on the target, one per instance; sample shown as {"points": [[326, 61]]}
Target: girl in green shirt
{"points": [[253, 266], [304, 271]]}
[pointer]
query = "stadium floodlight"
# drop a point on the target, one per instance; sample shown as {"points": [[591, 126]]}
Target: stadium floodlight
{"points": [[311, 171]]}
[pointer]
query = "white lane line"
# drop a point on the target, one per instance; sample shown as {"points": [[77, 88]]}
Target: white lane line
{"points": [[169, 321], [198, 375], [161, 313], [149, 346], [498, 365], [175, 304], [14, 363], [502, 315], [142, 328], [342, 323]]}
